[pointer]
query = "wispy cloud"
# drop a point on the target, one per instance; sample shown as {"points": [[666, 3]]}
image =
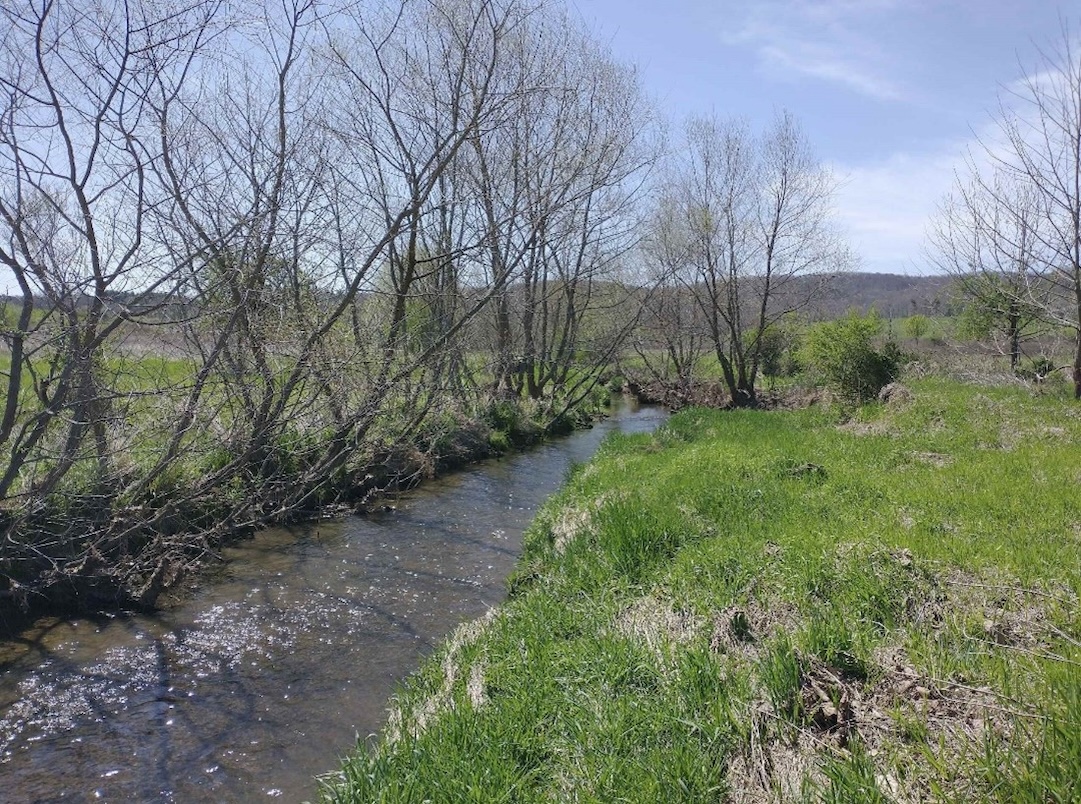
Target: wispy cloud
{"points": [[888, 205], [818, 61], [823, 39]]}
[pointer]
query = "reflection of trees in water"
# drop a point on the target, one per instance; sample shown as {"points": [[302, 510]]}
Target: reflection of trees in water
{"points": [[332, 615]]}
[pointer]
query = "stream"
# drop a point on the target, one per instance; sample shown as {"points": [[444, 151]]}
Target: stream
{"points": [[273, 668]]}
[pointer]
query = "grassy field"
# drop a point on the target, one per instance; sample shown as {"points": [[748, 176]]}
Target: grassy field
{"points": [[776, 606]]}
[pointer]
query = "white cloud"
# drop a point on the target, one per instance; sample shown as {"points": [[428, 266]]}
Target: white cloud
{"points": [[887, 206], [813, 60], [822, 39]]}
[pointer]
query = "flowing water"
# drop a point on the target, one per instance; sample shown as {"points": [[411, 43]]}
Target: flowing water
{"points": [[267, 674]]}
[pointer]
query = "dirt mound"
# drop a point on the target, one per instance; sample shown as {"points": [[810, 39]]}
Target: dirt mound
{"points": [[895, 394]]}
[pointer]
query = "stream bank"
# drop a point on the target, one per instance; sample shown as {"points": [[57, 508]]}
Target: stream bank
{"points": [[816, 605], [269, 670], [123, 563]]}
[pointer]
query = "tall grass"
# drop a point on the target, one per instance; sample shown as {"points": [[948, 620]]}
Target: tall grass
{"points": [[783, 605]]}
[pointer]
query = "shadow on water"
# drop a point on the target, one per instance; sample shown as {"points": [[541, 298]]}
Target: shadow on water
{"points": [[269, 672]]}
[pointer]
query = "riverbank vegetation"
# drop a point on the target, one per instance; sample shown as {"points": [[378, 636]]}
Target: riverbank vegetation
{"points": [[873, 605], [265, 258]]}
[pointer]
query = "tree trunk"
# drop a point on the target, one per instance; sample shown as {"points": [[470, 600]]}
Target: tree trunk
{"points": [[1077, 367], [1013, 330], [744, 395]]}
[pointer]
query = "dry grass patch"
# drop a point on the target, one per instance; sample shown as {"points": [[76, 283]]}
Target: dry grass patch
{"points": [[418, 716], [877, 427], [657, 626]]}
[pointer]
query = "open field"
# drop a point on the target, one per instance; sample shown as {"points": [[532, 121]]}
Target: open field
{"points": [[777, 606]]}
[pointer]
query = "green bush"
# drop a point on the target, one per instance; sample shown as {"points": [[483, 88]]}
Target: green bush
{"points": [[503, 415], [916, 326], [499, 441], [843, 354], [780, 345]]}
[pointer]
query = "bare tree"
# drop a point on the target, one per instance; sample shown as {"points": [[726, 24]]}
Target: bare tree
{"points": [[337, 207], [759, 221], [1040, 124], [987, 234], [296, 226], [76, 160], [559, 186], [672, 336]]}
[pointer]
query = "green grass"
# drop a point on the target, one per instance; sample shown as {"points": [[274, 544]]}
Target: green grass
{"points": [[878, 609]]}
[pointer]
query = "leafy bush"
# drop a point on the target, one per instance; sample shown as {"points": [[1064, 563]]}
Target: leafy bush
{"points": [[779, 345], [516, 419], [503, 415], [843, 354], [499, 441], [916, 326], [974, 323]]}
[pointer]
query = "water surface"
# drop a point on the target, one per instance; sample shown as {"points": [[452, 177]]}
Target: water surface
{"points": [[265, 675]]}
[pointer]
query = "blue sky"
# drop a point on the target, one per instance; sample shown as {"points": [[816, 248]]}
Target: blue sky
{"points": [[891, 93]]}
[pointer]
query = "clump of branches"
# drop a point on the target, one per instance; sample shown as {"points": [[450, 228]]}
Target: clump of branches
{"points": [[252, 252]]}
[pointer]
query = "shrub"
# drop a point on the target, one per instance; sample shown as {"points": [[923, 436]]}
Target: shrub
{"points": [[503, 415], [779, 345], [843, 353], [499, 441], [916, 326], [1040, 369]]}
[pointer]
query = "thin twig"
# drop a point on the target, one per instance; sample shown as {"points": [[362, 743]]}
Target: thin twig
{"points": [[1006, 588]]}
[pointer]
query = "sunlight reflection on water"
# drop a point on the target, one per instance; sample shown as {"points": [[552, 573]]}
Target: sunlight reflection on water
{"points": [[266, 675]]}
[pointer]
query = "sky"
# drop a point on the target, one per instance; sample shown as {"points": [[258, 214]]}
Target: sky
{"points": [[892, 94]]}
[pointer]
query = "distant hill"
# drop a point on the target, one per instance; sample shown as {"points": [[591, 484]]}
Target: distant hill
{"points": [[893, 295]]}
